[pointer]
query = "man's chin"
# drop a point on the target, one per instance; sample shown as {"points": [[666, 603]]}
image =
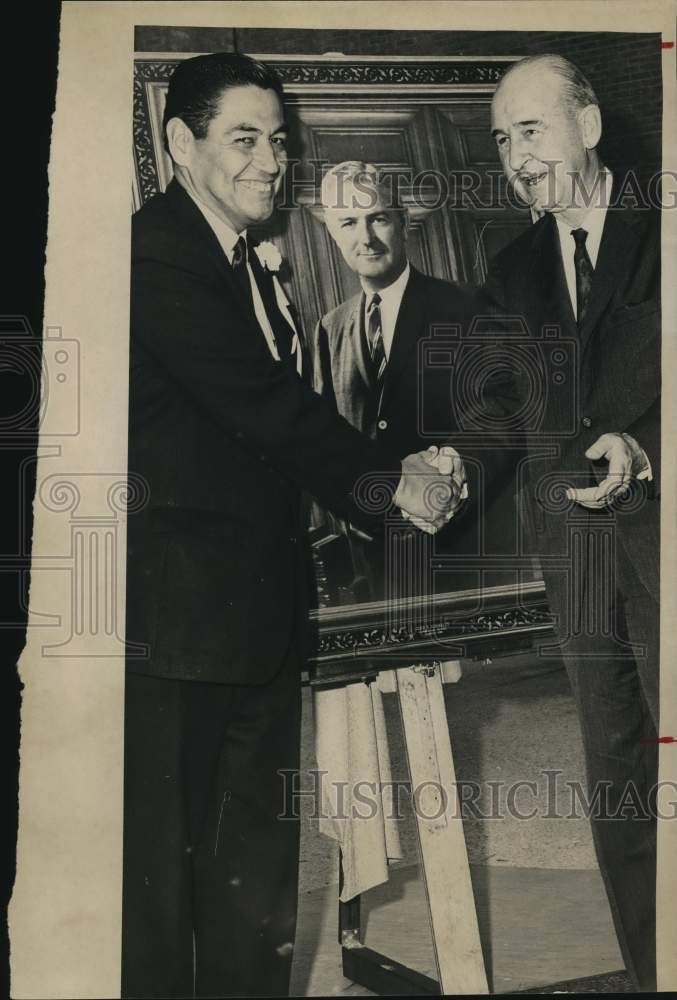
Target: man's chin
{"points": [[259, 203], [260, 213], [528, 198], [541, 204], [372, 268], [538, 197]]}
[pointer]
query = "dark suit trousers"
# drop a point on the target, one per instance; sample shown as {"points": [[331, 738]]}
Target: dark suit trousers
{"points": [[617, 700], [210, 871]]}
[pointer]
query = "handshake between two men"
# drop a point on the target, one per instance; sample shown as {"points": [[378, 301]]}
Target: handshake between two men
{"points": [[432, 488], [434, 485]]}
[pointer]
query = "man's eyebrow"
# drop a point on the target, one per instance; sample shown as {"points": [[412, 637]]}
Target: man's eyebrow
{"points": [[246, 127], [523, 124], [348, 216]]}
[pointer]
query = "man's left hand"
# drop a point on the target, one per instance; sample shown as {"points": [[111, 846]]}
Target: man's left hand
{"points": [[627, 461]]}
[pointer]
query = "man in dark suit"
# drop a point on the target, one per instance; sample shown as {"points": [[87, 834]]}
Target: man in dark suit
{"points": [[225, 435], [586, 280], [369, 360]]}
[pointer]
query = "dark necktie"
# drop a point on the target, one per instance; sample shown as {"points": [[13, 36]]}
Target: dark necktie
{"points": [[239, 265], [240, 252], [584, 272], [375, 339]]}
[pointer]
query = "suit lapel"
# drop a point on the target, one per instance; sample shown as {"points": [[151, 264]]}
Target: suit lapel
{"points": [[409, 327], [195, 226], [617, 247], [358, 339], [545, 284]]}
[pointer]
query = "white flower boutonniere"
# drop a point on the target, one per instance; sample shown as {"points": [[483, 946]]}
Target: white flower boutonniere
{"points": [[269, 255]]}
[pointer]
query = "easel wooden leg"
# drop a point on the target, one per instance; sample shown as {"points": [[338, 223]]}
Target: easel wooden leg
{"points": [[446, 874], [349, 929]]}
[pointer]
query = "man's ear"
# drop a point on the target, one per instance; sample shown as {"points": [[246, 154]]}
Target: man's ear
{"points": [[590, 122], [180, 140]]}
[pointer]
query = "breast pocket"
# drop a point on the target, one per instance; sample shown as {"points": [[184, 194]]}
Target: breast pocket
{"points": [[637, 313]]}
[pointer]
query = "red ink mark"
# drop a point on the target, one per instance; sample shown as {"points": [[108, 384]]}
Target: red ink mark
{"points": [[667, 45], [661, 739]]}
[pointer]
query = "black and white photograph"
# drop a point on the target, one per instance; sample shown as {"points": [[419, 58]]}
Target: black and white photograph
{"points": [[349, 644]]}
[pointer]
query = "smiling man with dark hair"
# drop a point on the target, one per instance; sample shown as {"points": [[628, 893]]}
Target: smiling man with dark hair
{"points": [[226, 435], [198, 84]]}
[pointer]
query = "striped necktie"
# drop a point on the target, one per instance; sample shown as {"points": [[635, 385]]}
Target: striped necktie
{"points": [[376, 346]]}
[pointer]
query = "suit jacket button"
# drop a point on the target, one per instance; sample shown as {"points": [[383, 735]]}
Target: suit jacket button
{"points": [[586, 421], [382, 424]]}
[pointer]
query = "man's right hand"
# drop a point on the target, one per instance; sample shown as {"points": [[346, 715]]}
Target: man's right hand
{"points": [[431, 488]]}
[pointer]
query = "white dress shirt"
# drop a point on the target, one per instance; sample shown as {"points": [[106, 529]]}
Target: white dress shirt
{"points": [[391, 300], [593, 223], [227, 238]]}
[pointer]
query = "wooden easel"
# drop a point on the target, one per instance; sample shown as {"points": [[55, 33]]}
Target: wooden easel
{"points": [[444, 858]]}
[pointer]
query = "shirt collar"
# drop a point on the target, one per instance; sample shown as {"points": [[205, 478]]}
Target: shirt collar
{"points": [[593, 221], [392, 294], [226, 236]]}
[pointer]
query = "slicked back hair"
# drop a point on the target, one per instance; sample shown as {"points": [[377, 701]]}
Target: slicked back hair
{"points": [[198, 84], [577, 91]]}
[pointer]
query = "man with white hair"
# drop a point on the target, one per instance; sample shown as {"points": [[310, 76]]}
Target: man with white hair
{"points": [[363, 348], [590, 269], [367, 352]]}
